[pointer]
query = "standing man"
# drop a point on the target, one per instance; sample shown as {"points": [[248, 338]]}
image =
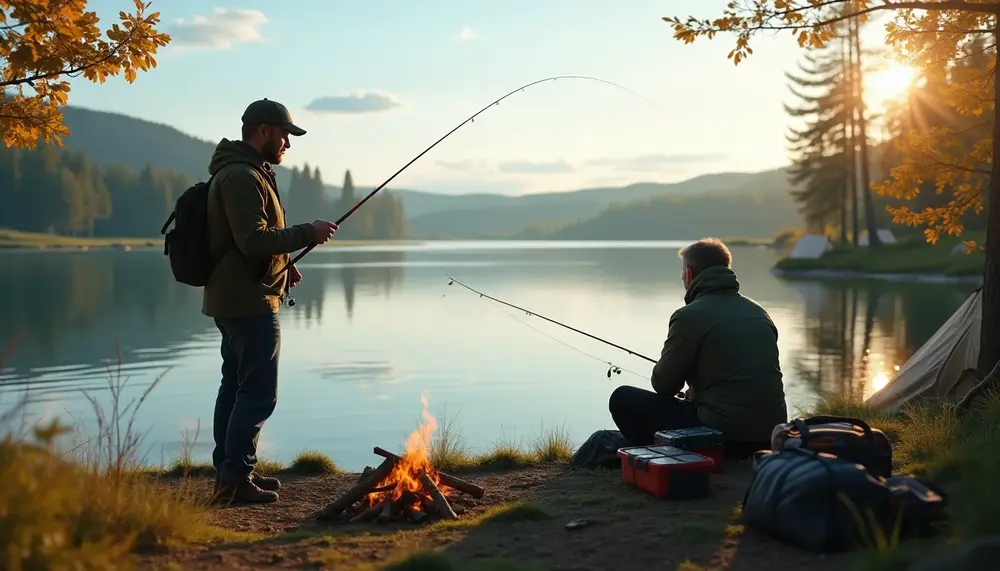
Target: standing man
{"points": [[724, 346], [248, 237]]}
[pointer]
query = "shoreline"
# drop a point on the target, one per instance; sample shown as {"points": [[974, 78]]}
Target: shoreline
{"points": [[905, 277]]}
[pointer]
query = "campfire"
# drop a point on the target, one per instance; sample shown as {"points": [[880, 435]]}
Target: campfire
{"points": [[404, 488]]}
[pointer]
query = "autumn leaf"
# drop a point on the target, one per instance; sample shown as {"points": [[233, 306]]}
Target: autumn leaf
{"points": [[44, 43]]}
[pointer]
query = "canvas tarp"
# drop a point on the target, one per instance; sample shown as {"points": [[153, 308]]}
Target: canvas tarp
{"points": [[810, 247], [943, 366]]}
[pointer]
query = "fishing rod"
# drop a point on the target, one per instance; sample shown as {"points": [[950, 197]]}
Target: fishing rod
{"points": [[449, 133], [550, 320]]}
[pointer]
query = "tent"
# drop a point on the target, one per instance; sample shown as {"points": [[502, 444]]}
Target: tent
{"points": [[944, 366], [810, 247], [884, 234]]}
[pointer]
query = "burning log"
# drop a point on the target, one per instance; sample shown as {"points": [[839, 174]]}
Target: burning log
{"points": [[440, 502], [387, 509], [446, 479], [359, 491], [369, 513]]}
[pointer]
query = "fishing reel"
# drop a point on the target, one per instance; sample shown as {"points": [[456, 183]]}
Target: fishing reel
{"points": [[614, 369], [288, 299]]}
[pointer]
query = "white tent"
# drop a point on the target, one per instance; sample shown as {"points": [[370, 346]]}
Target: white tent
{"points": [[810, 247], [884, 234], [944, 365]]}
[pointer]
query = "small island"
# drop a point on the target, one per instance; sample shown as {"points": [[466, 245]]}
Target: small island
{"points": [[910, 257]]}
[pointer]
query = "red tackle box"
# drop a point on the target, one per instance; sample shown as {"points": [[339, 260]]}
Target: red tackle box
{"points": [[700, 440], [667, 472]]}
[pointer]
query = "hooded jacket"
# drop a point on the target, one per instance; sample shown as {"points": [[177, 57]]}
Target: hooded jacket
{"points": [[725, 347], [247, 235]]}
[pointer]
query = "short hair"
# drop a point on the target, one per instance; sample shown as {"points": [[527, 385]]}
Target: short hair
{"points": [[706, 253], [248, 130]]}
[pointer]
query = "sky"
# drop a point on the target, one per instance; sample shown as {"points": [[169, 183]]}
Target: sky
{"points": [[375, 82]]}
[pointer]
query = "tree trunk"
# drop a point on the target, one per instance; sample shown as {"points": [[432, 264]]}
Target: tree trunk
{"points": [[852, 156], [989, 342], [873, 240]]}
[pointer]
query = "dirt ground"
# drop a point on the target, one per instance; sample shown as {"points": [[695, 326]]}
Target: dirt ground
{"points": [[629, 529]]}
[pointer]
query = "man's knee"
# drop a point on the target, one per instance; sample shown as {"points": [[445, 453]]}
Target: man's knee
{"points": [[620, 399]]}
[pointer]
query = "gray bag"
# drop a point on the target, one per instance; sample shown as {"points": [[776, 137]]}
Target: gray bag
{"points": [[600, 450]]}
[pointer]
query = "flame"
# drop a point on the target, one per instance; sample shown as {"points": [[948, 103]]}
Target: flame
{"points": [[415, 461]]}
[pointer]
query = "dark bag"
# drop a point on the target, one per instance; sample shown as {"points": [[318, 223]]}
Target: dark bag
{"points": [[920, 506], [814, 500], [848, 438], [187, 244], [600, 450]]}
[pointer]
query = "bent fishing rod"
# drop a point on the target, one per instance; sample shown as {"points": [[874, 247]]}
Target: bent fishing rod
{"points": [[449, 133], [550, 320]]}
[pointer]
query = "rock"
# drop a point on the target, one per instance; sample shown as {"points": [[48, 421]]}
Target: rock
{"points": [[579, 524], [981, 553]]}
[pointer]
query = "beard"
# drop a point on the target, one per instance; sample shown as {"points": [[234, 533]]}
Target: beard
{"points": [[271, 152]]}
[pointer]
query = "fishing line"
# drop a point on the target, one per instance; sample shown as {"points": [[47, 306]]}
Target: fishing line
{"points": [[613, 368], [471, 119]]}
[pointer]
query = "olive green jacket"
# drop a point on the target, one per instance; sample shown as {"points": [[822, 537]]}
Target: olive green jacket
{"points": [[725, 347], [247, 235]]}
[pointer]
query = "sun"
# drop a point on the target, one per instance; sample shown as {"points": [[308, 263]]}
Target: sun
{"points": [[889, 84]]}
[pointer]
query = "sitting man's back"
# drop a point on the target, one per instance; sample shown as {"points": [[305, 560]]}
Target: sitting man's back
{"points": [[724, 346]]}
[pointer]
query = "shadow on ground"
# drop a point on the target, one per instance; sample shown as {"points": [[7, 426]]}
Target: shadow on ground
{"points": [[520, 523]]}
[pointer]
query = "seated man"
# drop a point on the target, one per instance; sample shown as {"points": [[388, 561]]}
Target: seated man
{"points": [[724, 346]]}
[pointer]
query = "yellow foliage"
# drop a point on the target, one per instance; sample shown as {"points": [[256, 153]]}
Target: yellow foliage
{"points": [[45, 42], [952, 152]]}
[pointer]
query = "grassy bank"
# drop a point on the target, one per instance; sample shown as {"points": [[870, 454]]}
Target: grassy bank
{"points": [[906, 257], [958, 452], [15, 239], [92, 504], [448, 452], [36, 240]]}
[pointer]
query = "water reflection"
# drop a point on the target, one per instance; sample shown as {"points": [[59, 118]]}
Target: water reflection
{"points": [[374, 327], [68, 314], [857, 334]]}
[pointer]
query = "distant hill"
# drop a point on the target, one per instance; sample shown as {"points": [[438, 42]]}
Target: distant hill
{"points": [[708, 196], [111, 138]]}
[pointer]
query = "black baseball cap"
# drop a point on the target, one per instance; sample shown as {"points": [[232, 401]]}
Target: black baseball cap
{"points": [[267, 112]]}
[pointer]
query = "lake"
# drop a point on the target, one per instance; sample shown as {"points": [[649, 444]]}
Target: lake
{"points": [[375, 326]]}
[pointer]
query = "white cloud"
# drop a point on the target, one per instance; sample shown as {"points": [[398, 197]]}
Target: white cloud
{"points": [[354, 103], [536, 167], [219, 30], [465, 34]]}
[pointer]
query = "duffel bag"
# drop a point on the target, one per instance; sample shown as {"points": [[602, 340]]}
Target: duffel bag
{"points": [[801, 497], [920, 506], [845, 437]]}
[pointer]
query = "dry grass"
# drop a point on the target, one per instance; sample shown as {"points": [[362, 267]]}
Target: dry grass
{"points": [[90, 506], [959, 452]]}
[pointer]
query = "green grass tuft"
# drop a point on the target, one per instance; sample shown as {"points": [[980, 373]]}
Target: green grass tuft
{"points": [[313, 463]]}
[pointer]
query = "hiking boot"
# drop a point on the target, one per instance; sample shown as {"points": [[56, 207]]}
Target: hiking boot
{"points": [[265, 482], [243, 492]]}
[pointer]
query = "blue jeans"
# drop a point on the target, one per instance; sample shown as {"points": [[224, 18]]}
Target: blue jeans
{"points": [[248, 392]]}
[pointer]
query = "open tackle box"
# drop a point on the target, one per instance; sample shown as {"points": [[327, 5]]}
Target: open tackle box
{"points": [[667, 472], [700, 440]]}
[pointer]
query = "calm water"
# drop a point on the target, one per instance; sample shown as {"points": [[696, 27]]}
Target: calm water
{"points": [[375, 326]]}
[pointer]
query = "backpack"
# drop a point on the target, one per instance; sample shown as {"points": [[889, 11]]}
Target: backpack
{"points": [[186, 245]]}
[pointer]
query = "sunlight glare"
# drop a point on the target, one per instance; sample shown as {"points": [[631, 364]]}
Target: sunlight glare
{"points": [[889, 84], [879, 382]]}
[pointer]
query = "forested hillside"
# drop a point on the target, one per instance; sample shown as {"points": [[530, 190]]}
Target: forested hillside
{"points": [[119, 176], [59, 191]]}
